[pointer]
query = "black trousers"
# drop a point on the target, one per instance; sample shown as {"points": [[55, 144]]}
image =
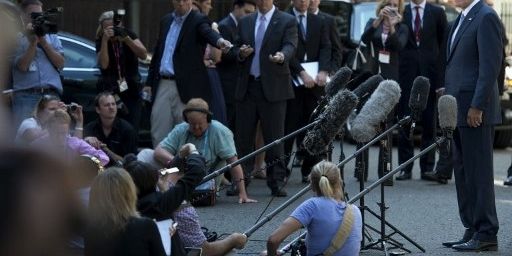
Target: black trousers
{"points": [[474, 180], [298, 113], [271, 115]]}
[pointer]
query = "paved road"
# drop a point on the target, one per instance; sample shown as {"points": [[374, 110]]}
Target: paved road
{"points": [[424, 211]]}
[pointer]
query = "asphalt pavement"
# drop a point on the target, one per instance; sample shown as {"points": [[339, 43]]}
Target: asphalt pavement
{"points": [[425, 212]]}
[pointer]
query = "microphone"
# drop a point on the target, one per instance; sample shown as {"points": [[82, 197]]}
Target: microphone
{"points": [[337, 83], [419, 96], [447, 109], [418, 100], [330, 122], [367, 87], [366, 124]]}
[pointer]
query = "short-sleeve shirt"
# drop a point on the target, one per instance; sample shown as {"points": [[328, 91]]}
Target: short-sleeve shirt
{"points": [[122, 140], [215, 145], [41, 71], [29, 123], [322, 217], [189, 227]]}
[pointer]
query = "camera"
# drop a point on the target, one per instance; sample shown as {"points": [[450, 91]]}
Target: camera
{"points": [[72, 107], [46, 22], [118, 18]]}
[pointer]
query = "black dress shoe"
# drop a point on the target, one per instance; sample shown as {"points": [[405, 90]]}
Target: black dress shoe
{"points": [[508, 181], [434, 176], [404, 176], [279, 193], [474, 245], [449, 244]]}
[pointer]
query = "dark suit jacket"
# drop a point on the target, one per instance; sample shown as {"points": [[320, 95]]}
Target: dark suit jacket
{"points": [[317, 45], [394, 44], [334, 38], [425, 59], [227, 67], [280, 36], [473, 64], [195, 33]]}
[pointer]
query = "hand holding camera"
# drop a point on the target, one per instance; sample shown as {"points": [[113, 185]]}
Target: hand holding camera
{"points": [[75, 111]]}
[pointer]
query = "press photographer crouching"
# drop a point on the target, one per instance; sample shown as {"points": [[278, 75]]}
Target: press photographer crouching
{"points": [[162, 203], [37, 61], [119, 51]]}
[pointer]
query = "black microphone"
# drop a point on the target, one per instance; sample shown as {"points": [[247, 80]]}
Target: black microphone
{"points": [[366, 124], [447, 109], [337, 83], [330, 122], [418, 100], [367, 87]]}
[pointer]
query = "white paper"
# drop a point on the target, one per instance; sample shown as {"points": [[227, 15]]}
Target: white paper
{"points": [[312, 69], [163, 228]]}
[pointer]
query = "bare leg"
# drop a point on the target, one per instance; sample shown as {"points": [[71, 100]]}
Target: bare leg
{"points": [[222, 247]]}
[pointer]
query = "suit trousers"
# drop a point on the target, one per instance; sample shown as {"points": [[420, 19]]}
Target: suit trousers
{"points": [[298, 114], [167, 110], [474, 180], [271, 115]]}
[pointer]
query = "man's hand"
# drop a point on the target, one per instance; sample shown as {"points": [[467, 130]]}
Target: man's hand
{"points": [[474, 117], [224, 45], [93, 141], [278, 57], [245, 51], [307, 79], [440, 92], [321, 78], [187, 149], [108, 32], [147, 90]]}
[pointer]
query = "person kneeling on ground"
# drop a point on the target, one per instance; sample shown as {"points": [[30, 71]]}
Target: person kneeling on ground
{"points": [[324, 216]]}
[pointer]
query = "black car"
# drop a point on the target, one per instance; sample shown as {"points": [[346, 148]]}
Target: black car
{"points": [[351, 19], [81, 73]]}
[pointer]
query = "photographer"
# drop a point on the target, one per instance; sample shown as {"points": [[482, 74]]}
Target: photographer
{"points": [[36, 62], [118, 52]]}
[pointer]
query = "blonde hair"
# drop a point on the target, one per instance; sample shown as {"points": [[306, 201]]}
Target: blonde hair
{"points": [[326, 180], [59, 117], [383, 4], [113, 200], [109, 15]]}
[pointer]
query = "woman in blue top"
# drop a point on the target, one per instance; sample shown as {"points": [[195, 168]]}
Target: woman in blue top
{"points": [[321, 215]]}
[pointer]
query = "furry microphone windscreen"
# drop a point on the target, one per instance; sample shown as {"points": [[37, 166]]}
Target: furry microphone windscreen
{"points": [[419, 96], [377, 108], [330, 122], [367, 87], [447, 109], [338, 81]]}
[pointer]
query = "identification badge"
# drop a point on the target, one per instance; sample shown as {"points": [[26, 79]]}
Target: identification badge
{"points": [[384, 57], [123, 86]]}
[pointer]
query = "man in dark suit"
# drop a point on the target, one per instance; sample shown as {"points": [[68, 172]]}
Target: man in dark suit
{"points": [[267, 41], [474, 57], [421, 56], [228, 66], [179, 53], [334, 36], [313, 46]]}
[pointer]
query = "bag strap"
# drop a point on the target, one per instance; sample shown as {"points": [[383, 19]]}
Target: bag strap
{"points": [[342, 233]]}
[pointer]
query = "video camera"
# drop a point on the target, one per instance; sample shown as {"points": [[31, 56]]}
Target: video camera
{"points": [[46, 22], [118, 18]]}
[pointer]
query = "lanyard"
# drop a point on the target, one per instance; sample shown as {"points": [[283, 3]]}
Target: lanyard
{"points": [[117, 54]]}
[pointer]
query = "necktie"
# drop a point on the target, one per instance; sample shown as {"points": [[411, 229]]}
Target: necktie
{"points": [[417, 24], [258, 40], [301, 26], [461, 19]]}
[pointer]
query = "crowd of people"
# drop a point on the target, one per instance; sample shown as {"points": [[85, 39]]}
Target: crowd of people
{"points": [[219, 91]]}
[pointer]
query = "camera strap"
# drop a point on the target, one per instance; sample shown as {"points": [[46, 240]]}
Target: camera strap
{"points": [[117, 54]]}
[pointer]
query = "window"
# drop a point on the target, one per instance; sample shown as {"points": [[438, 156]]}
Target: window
{"points": [[78, 56]]}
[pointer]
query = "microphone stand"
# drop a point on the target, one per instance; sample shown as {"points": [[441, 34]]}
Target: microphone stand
{"points": [[253, 154], [269, 216], [438, 143]]}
